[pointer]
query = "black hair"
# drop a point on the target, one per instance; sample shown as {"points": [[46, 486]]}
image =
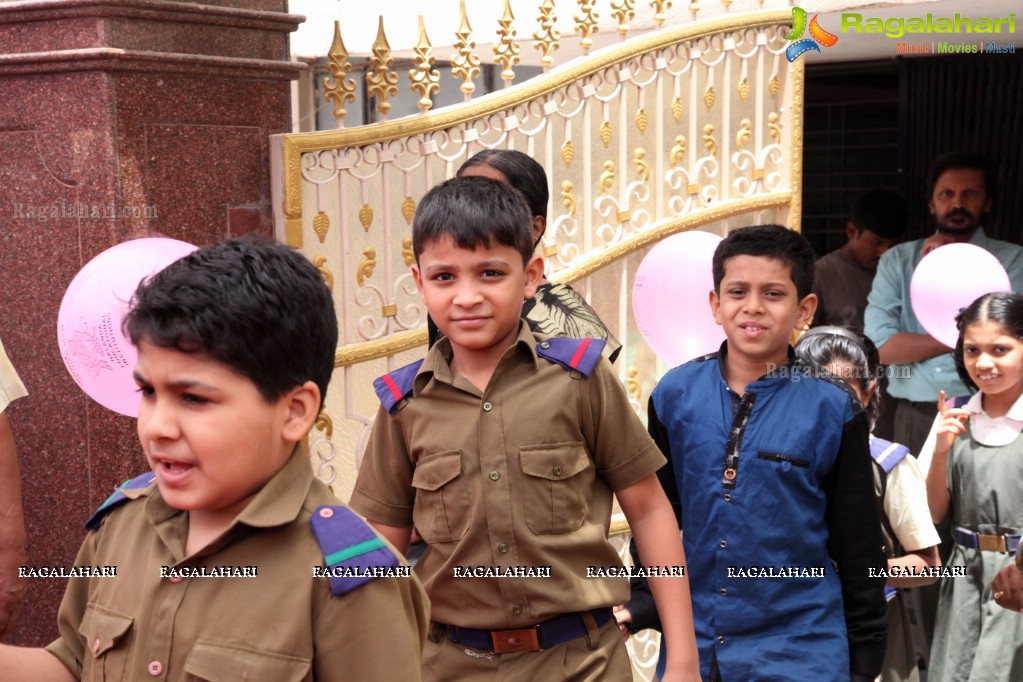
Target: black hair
{"points": [[768, 241], [474, 212], [881, 211], [256, 305], [523, 173], [959, 161], [1003, 308], [823, 346]]}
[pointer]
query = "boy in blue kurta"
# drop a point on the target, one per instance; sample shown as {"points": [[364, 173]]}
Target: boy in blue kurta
{"points": [[769, 469]]}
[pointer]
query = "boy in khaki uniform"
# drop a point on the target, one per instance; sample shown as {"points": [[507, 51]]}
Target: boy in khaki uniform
{"points": [[503, 449], [211, 566]]}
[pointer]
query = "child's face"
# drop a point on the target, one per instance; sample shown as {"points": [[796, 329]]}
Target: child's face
{"points": [[208, 434], [993, 359], [475, 297], [759, 307]]}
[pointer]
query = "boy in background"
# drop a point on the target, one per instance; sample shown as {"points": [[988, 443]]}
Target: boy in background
{"points": [[843, 278], [215, 552], [769, 469], [504, 448]]}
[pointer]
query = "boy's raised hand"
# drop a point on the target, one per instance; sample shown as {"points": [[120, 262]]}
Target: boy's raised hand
{"points": [[953, 423]]}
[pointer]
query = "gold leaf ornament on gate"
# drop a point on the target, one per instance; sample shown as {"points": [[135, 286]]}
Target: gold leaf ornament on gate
{"points": [[677, 109], [605, 133], [709, 98], [641, 120], [321, 223], [567, 152], [408, 210], [366, 216]]}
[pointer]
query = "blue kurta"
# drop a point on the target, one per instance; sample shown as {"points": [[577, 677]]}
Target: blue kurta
{"points": [[775, 483]]}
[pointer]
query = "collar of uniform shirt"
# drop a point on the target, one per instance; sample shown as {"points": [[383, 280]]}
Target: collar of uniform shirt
{"points": [[995, 431]]}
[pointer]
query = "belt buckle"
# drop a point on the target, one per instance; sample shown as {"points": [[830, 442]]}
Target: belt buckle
{"points": [[514, 641], [991, 543]]}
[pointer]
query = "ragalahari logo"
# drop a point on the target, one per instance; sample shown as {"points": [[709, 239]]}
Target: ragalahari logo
{"points": [[818, 36]]}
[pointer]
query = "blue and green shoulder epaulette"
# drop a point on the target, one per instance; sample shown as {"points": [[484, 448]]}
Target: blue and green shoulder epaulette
{"points": [[352, 551], [122, 494]]}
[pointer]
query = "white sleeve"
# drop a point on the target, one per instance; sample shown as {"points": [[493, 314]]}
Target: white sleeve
{"points": [[905, 504]]}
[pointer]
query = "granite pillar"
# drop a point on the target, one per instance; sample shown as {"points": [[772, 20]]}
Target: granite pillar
{"points": [[118, 119]]}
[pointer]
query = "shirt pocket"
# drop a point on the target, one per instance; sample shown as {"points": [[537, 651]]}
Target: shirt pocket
{"points": [[106, 634], [215, 662], [784, 462], [441, 511], [558, 482]]}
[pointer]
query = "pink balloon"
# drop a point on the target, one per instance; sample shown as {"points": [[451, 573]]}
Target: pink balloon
{"points": [[670, 297], [98, 357], [948, 279]]}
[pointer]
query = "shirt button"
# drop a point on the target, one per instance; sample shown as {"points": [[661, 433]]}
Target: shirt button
{"points": [[502, 548], [487, 407], [95, 646], [557, 471], [174, 579], [721, 640], [728, 497], [938, 370], [724, 591], [494, 475], [517, 610], [723, 544], [155, 668]]}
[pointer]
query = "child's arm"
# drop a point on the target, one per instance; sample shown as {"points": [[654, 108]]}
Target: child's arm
{"points": [[657, 537], [398, 536], [30, 663], [914, 562], [39, 665], [949, 428], [905, 505]]}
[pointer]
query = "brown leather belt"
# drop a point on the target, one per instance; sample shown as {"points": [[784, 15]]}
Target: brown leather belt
{"points": [[549, 633]]}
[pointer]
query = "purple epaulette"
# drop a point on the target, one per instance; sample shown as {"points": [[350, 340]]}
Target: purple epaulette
{"points": [[118, 496], [395, 385], [352, 552], [886, 453], [958, 401], [582, 355]]}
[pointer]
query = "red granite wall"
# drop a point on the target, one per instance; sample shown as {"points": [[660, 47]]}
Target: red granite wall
{"points": [[158, 115]]}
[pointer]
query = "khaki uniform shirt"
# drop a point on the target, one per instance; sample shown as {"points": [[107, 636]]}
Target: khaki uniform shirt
{"points": [[281, 625], [11, 387], [518, 475]]}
